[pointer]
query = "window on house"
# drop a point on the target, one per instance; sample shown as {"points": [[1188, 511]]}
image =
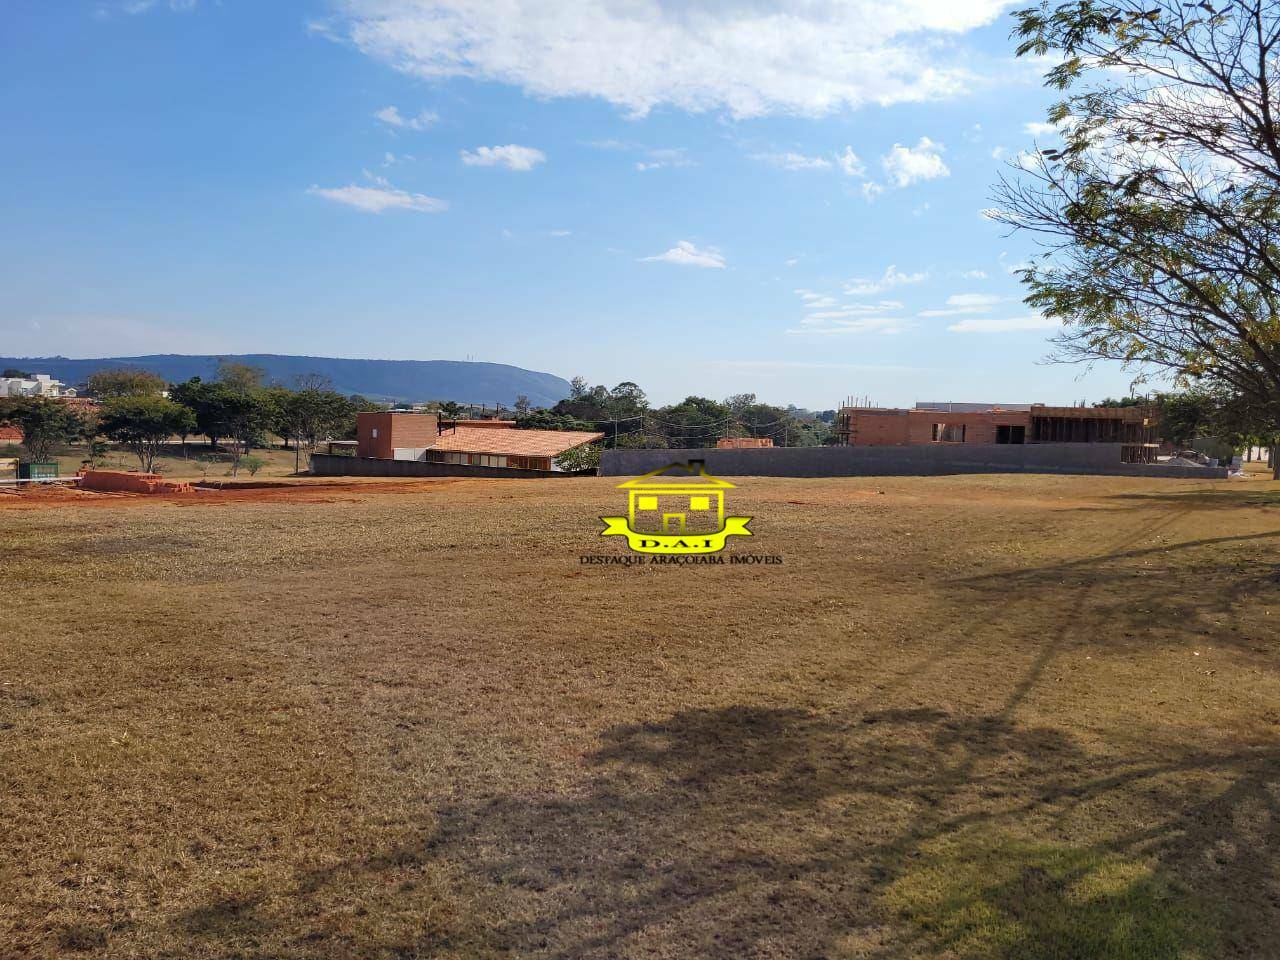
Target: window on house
{"points": [[699, 503], [646, 503]]}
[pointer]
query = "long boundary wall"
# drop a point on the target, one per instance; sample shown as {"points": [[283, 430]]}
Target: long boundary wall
{"points": [[327, 465], [924, 460]]}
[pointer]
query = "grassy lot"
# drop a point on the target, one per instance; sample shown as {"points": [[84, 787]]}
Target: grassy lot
{"points": [[967, 717]]}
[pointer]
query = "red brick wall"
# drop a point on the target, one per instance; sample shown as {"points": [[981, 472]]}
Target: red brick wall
{"points": [[743, 443], [393, 430], [900, 428]]}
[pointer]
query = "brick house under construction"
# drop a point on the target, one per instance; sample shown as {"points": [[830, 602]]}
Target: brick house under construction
{"points": [[1133, 427]]}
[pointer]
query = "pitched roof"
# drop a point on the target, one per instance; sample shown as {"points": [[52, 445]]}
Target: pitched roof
{"points": [[510, 442]]}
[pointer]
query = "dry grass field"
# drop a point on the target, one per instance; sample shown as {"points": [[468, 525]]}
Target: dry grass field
{"points": [[966, 717]]}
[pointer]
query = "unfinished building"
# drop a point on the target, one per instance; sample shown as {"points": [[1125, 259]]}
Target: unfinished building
{"points": [[1135, 428]]}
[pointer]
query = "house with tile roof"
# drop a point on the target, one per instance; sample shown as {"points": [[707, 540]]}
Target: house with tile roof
{"points": [[478, 443]]}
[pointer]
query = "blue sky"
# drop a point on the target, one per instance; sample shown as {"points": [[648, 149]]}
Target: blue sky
{"points": [[705, 197]]}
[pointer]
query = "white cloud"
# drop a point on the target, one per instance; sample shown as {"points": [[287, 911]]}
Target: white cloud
{"points": [[850, 164], [866, 324], [893, 277], [813, 301], [512, 156], [999, 153], [392, 117], [973, 274], [793, 161], [560, 233], [1003, 259], [960, 303], [1038, 129], [827, 316], [1003, 324], [871, 190], [1027, 159], [379, 197], [686, 254], [142, 6], [907, 165], [663, 157], [749, 59]]}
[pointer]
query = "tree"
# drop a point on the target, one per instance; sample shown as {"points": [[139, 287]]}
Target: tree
{"points": [[196, 396], [694, 422], [546, 420], [311, 415], [585, 456], [125, 382], [627, 400], [1199, 413], [523, 404], [144, 424], [312, 381], [242, 416], [739, 402], [449, 410], [240, 377], [45, 424], [15, 374], [1158, 215]]}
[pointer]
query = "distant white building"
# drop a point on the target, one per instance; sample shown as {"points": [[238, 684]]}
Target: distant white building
{"points": [[39, 385]]}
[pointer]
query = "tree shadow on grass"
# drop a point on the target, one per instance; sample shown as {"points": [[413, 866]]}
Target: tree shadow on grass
{"points": [[1201, 499], [1149, 594], [756, 831]]}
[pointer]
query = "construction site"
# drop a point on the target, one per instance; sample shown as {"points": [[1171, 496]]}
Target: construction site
{"points": [[1134, 428]]}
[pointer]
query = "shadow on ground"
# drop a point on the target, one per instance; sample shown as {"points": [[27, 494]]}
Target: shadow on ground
{"points": [[752, 831], [895, 829]]}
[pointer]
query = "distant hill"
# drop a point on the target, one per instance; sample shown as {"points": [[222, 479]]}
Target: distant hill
{"points": [[415, 380]]}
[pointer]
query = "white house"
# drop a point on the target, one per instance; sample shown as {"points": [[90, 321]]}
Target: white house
{"points": [[39, 385]]}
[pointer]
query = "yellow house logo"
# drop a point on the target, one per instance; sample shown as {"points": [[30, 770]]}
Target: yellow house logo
{"points": [[678, 509]]}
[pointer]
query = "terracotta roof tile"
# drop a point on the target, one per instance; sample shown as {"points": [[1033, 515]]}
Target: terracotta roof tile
{"points": [[509, 442], [10, 435]]}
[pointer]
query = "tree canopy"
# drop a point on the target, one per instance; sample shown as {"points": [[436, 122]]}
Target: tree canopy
{"points": [[124, 382], [144, 424], [1157, 216], [46, 424]]}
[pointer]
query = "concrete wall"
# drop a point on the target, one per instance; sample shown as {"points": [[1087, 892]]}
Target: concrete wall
{"points": [[324, 465], [932, 459]]}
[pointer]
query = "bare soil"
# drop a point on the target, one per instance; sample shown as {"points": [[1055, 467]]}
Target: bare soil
{"points": [[964, 717]]}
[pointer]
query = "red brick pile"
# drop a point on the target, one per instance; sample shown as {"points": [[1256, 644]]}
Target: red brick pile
{"points": [[120, 481]]}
